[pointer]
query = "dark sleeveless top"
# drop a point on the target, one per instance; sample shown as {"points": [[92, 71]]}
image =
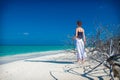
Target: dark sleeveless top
{"points": [[80, 35]]}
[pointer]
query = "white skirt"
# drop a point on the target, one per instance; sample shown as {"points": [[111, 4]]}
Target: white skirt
{"points": [[80, 49]]}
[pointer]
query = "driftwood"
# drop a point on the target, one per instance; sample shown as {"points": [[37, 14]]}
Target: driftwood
{"points": [[105, 52], [114, 61], [108, 52]]}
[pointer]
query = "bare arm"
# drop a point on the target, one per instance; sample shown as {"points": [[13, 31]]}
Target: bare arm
{"points": [[76, 33]]}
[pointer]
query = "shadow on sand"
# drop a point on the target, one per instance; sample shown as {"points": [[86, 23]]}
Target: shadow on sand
{"points": [[51, 61], [87, 74]]}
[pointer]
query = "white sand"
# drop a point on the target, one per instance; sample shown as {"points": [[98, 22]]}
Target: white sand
{"points": [[52, 67]]}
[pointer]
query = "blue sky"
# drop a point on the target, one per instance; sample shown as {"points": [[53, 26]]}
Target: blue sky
{"points": [[51, 21]]}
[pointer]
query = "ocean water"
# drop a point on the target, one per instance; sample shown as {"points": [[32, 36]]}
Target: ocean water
{"points": [[14, 50]]}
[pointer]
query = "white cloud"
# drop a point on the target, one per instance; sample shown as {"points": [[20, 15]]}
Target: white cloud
{"points": [[26, 33]]}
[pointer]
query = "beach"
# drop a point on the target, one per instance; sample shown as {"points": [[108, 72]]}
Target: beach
{"points": [[58, 65]]}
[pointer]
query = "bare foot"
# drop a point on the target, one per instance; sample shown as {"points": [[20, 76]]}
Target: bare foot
{"points": [[83, 61]]}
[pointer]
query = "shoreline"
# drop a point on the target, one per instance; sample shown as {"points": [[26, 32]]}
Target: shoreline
{"points": [[12, 58], [14, 50]]}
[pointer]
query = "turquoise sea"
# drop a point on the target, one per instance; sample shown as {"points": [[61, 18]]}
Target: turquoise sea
{"points": [[13, 50]]}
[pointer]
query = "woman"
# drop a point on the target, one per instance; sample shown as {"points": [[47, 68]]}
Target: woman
{"points": [[80, 41]]}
